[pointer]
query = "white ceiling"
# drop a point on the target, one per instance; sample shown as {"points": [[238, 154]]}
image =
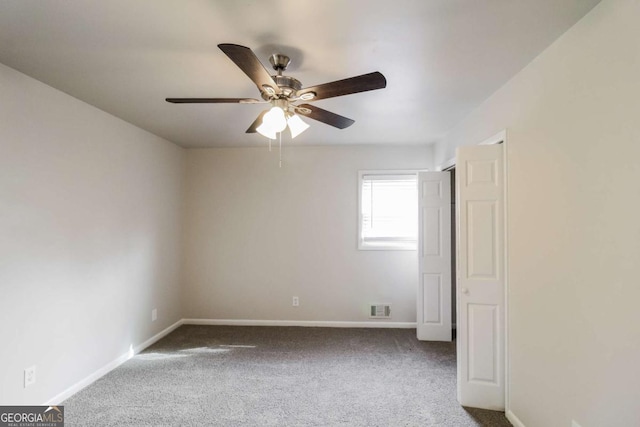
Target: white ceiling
{"points": [[441, 58]]}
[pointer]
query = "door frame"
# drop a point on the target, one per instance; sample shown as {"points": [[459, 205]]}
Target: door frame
{"points": [[498, 138]]}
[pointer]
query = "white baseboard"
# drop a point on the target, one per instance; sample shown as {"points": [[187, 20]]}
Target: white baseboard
{"points": [[56, 400], [110, 366], [304, 323], [514, 420], [157, 337]]}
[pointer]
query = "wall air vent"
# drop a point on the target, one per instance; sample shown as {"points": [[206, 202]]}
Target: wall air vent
{"points": [[380, 311]]}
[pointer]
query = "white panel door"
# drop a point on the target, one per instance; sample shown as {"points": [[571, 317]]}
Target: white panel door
{"points": [[480, 276], [434, 252]]}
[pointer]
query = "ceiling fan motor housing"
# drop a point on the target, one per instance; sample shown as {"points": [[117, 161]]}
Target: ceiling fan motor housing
{"points": [[288, 85]]}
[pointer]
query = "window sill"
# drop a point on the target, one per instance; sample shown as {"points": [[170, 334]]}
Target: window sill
{"points": [[386, 246]]}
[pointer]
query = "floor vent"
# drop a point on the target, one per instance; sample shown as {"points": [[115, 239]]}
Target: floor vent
{"points": [[380, 311]]}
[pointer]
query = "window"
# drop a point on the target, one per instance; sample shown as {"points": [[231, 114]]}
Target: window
{"points": [[388, 210]]}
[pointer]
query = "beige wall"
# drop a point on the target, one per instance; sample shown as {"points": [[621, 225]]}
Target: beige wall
{"points": [[573, 120], [256, 235], [90, 213]]}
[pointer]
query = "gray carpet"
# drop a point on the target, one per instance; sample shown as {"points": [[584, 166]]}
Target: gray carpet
{"points": [[281, 376]]}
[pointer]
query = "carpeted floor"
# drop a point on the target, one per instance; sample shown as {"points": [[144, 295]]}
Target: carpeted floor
{"points": [[281, 376]]}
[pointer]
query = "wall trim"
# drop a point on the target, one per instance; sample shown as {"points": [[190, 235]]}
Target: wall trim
{"points": [[507, 366], [157, 337], [59, 398], [514, 420], [498, 138], [303, 323], [110, 366], [447, 164]]}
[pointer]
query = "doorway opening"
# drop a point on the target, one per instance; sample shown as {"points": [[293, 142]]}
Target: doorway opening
{"points": [[471, 285]]}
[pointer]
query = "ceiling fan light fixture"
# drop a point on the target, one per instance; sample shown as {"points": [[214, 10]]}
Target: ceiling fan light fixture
{"points": [[296, 125], [275, 119], [266, 131]]}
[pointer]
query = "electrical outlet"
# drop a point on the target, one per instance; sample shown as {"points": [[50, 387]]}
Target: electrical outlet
{"points": [[29, 376], [154, 314], [296, 301], [574, 423]]}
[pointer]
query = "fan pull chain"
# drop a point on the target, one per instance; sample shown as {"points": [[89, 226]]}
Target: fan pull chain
{"points": [[280, 150], [269, 144]]}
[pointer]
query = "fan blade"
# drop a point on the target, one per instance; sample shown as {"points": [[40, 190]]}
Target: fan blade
{"points": [[324, 116], [248, 62], [213, 100], [363, 83], [256, 123]]}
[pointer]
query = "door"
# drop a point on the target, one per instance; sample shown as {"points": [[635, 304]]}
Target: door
{"points": [[434, 252], [480, 275]]}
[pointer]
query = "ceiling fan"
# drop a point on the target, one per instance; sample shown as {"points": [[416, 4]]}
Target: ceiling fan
{"points": [[285, 93]]}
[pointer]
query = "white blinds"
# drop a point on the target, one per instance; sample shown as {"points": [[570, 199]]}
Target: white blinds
{"points": [[389, 209]]}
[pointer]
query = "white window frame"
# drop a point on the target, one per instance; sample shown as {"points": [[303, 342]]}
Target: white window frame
{"points": [[380, 247]]}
